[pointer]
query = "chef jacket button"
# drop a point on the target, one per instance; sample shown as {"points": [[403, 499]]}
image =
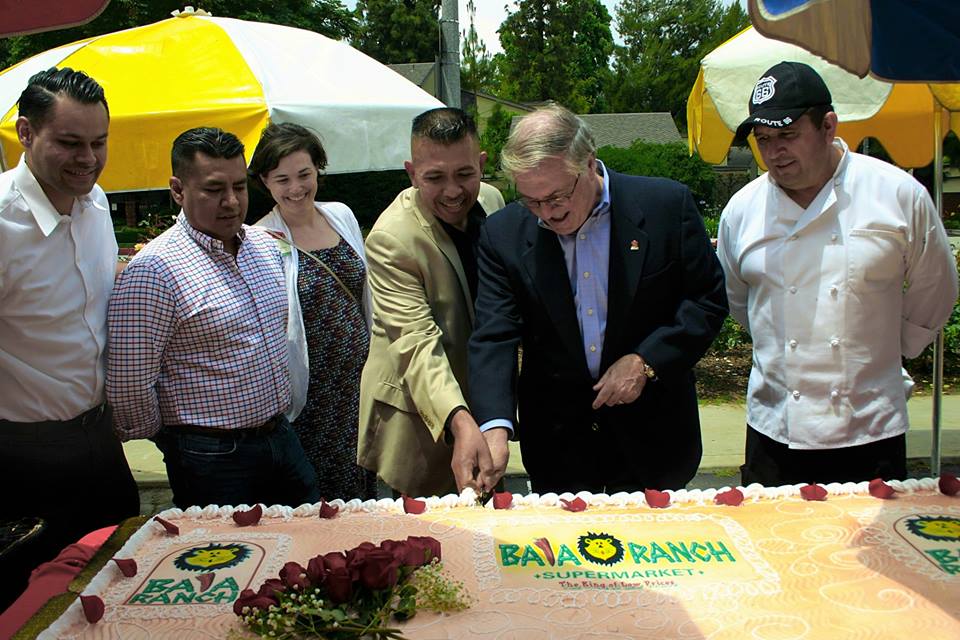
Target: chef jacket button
{"points": [[796, 395], [835, 343], [833, 237], [793, 289], [834, 290], [834, 394], [793, 344]]}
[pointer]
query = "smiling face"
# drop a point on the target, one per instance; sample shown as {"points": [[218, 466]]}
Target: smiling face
{"points": [[293, 184], [801, 158], [557, 195], [68, 151], [213, 194], [447, 176]]}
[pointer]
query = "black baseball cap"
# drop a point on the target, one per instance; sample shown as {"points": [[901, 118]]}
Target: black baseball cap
{"points": [[783, 94]]}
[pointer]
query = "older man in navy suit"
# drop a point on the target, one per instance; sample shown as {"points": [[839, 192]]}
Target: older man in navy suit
{"points": [[610, 287]]}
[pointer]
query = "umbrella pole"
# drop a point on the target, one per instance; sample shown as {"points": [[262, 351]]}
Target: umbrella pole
{"points": [[938, 343]]}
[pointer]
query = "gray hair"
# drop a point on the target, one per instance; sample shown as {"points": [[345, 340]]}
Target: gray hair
{"points": [[551, 131]]}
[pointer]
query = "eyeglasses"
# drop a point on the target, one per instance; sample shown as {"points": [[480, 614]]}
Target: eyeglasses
{"points": [[552, 203]]}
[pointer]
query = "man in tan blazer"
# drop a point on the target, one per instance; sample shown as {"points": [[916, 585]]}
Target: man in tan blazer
{"points": [[416, 429]]}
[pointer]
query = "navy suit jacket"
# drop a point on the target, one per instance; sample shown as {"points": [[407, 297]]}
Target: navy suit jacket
{"points": [[666, 302]]}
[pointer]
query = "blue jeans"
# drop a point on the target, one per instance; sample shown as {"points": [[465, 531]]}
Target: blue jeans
{"points": [[244, 467]]}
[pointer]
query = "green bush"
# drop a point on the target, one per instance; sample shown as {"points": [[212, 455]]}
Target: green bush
{"points": [[671, 160]]}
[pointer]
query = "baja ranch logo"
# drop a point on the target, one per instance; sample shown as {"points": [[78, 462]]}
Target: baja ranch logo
{"points": [[935, 537], [212, 573], [605, 560], [764, 90]]}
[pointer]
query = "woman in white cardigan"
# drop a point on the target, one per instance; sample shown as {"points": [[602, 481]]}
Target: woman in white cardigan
{"points": [[329, 305]]}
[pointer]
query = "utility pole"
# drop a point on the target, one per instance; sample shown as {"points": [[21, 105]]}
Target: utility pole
{"points": [[449, 53]]}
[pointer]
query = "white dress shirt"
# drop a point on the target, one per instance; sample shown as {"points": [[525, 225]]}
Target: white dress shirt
{"points": [[833, 295], [56, 273]]}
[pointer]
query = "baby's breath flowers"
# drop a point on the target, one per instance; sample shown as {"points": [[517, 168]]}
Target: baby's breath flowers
{"points": [[353, 595]]}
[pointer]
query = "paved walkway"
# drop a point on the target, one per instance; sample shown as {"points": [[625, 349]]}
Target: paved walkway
{"points": [[723, 428]]}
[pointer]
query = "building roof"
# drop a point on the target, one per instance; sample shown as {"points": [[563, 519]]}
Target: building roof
{"points": [[621, 129], [415, 72]]}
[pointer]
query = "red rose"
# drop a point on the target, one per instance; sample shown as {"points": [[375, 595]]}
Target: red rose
{"points": [[402, 552], [248, 598], [432, 546], [356, 556], [272, 588], [334, 560], [316, 570], [339, 586], [378, 570], [294, 576]]}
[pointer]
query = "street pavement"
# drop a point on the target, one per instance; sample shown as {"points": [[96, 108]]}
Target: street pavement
{"points": [[722, 425]]}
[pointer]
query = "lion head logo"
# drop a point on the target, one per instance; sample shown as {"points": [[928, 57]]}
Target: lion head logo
{"points": [[600, 548], [935, 527], [211, 557]]}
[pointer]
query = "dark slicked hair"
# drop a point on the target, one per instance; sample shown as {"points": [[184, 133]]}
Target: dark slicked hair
{"points": [[37, 100], [280, 140], [210, 141], [445, 125]]}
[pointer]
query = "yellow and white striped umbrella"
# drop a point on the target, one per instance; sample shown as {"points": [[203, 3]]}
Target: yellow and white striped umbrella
{"points": [[193, 70], [899, 115]]}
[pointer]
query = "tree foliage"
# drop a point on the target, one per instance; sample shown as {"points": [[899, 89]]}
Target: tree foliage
{"points": [[494, 136], [670, 160], [328, 17], [398, 31], [557, 50], [664, 41], [477, 68]]}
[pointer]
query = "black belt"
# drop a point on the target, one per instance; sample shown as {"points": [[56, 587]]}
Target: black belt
{"points": [[225, 432], [85, 419]]}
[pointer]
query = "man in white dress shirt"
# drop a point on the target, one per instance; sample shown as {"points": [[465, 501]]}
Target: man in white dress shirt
{"points": [[838, 265], [59, 457]]}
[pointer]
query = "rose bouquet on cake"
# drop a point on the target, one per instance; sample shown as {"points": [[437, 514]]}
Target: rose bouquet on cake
{"points": [[353, 594]]}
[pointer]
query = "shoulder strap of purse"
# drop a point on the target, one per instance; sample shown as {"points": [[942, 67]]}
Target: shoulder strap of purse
{"points": [[323, 264]]}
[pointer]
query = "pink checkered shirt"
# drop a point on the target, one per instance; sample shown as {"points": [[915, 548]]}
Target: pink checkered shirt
{"points": [[196, 336]]}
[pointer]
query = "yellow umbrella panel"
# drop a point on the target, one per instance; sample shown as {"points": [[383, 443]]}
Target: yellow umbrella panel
{"points": [[900, 116], [195, 70], [158, 83]]}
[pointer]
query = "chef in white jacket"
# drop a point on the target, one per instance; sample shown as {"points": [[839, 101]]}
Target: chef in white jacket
{"points": [[838, 265]]}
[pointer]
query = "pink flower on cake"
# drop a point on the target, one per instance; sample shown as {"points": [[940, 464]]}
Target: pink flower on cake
{"points": [[657, 499], [813, 492], [327, 510], [169, 526], [949, 485], [730, 497], [411, 505], [880, 489], [128, 566], [249, 517], [575, 505], [502, 500], [92, 608]]}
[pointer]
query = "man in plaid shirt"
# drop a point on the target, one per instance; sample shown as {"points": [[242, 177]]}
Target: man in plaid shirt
{"points": [[197, 357]]}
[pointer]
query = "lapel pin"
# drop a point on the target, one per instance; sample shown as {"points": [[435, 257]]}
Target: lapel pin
{"points": [[634, 245]]}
